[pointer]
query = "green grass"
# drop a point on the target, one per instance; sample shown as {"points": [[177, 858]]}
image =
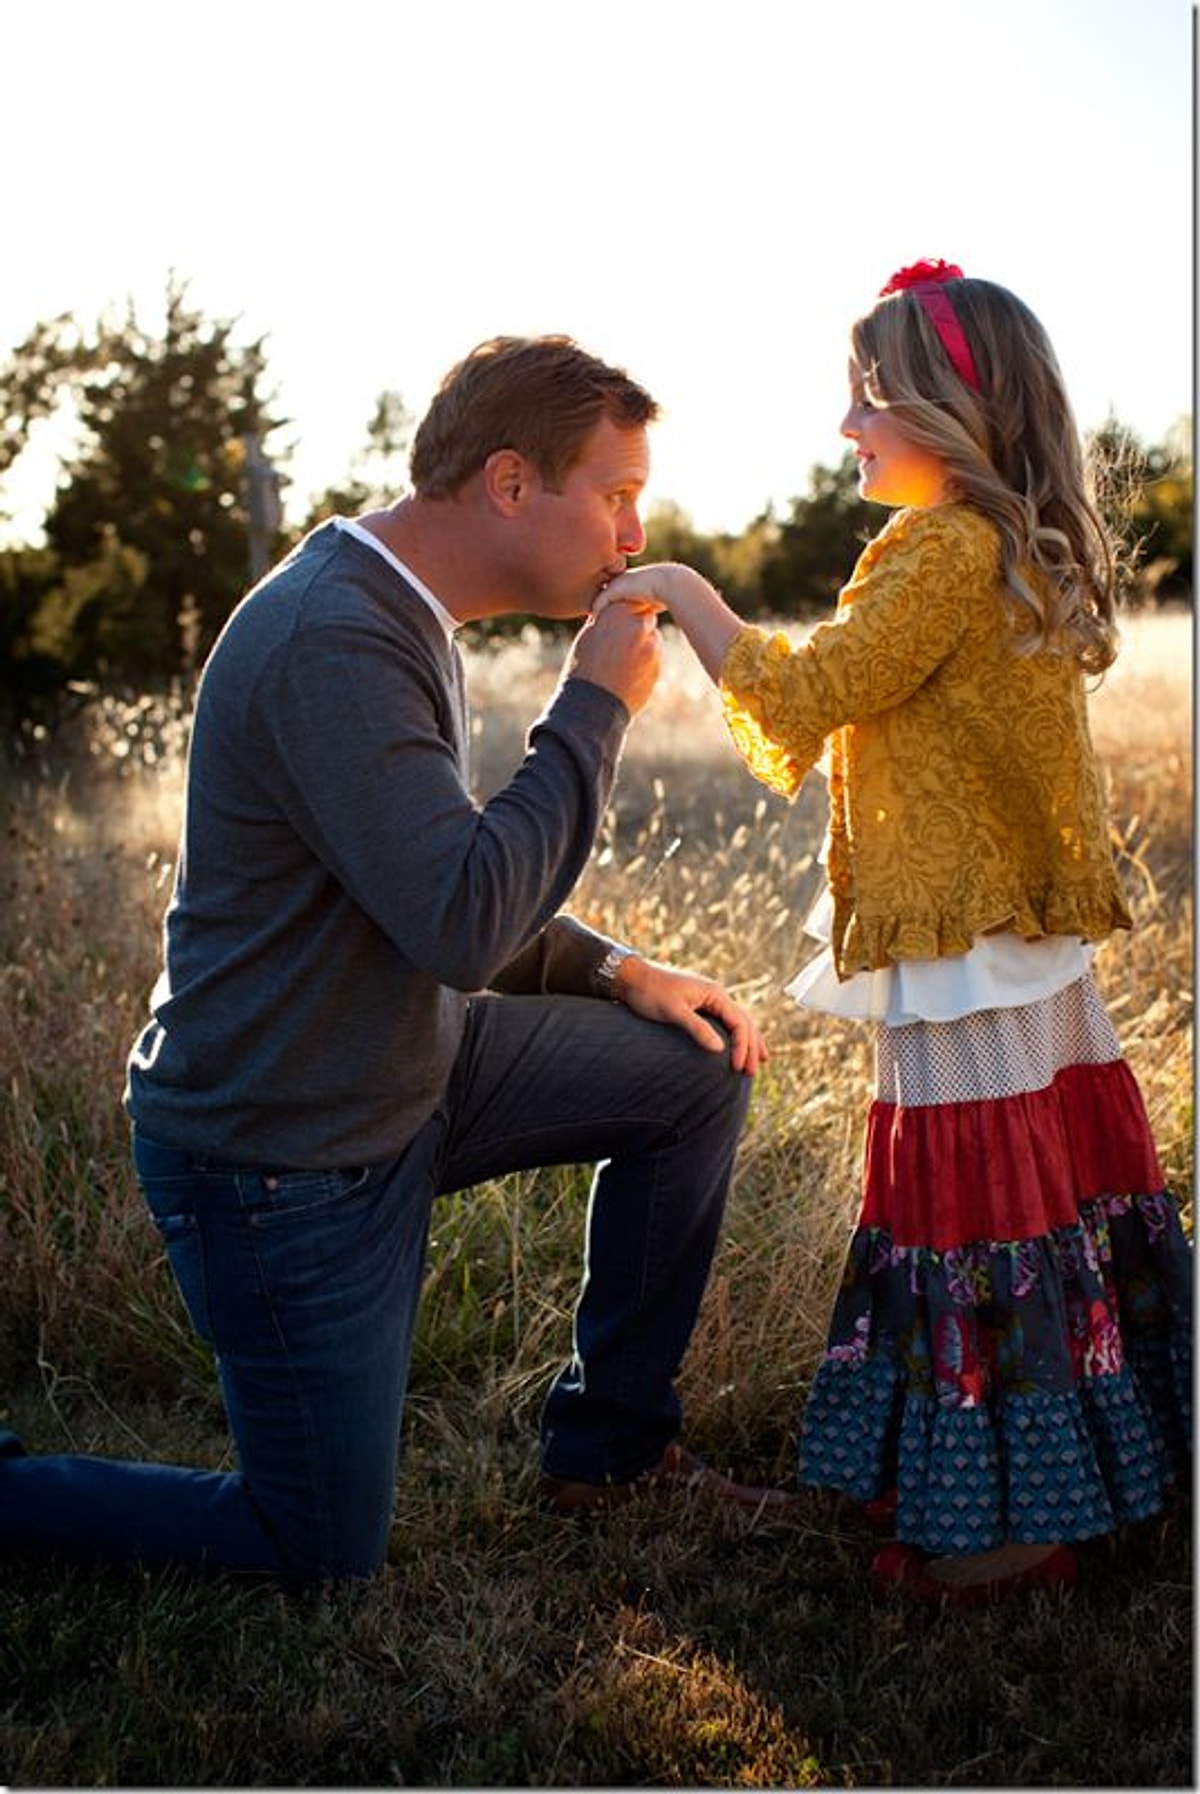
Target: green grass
{"points": [[502, 1647]]}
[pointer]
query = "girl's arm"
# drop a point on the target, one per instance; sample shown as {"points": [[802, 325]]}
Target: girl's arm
{"points": [[712, 629], [698, 608]]}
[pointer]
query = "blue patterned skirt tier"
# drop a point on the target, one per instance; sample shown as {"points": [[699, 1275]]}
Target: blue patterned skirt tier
{"points": [[1010, 1348]]}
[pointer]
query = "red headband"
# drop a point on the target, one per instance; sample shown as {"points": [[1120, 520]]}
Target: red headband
{"points": [[925, 279]]}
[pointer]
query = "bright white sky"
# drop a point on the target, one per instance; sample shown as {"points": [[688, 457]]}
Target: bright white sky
{"points": [[705, 194]]}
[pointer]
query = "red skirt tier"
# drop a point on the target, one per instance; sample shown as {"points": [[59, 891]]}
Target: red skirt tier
{"points": [[1008, 1168]]}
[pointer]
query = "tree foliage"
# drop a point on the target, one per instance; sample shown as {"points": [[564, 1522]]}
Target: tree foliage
{"points": [[818, 543], [168, 505], [1147, 496], [790, 566], [148, 534]]}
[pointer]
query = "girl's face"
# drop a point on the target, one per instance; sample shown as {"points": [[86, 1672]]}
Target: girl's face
{"points": [[892, 470]]}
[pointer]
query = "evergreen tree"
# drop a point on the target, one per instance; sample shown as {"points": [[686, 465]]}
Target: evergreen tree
{"points": [[815, 548], [150, 525]]}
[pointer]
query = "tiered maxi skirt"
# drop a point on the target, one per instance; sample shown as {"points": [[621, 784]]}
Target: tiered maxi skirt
{"points": [[1010, 1349]]}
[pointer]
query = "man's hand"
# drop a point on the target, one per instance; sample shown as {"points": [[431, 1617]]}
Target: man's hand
{"points": [[620, 650], [660, 994]]}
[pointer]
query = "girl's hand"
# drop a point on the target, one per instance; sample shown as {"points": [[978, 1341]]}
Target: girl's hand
{"points": [[660, 586], [698, 608]]}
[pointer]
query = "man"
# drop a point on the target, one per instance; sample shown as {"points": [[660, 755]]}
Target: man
{"points": [[370, 997]]}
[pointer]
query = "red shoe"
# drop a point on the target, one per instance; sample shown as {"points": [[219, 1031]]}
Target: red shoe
{"points": [[880, 1514], [902, 1568]]}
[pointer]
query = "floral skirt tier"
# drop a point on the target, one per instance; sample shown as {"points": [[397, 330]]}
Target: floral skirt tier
{"points": [[1011, 1345]]}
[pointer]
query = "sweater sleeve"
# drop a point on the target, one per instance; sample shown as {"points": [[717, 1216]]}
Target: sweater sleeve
{"points": [[900, 616], [372, 764], [563, 957]]}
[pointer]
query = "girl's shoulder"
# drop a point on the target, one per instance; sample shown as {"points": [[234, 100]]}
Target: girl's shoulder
{"points": [[951, 534], [953, 521]]}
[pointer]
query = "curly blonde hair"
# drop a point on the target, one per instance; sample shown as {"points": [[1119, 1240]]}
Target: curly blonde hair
{"points": [[1011, 449]]}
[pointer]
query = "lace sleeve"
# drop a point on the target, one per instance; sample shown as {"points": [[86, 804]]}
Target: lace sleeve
{"points": [[902, 613], [754, 699]]}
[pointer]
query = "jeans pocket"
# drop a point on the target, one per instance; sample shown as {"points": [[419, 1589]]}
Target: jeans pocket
{"points": [[274, 1198], [185, 1255]]}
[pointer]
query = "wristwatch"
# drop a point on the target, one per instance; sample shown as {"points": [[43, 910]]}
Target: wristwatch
{"points": [[605, 975]]}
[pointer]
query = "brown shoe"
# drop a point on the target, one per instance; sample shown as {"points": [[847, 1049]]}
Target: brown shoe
{"points": [[679, 1475]]}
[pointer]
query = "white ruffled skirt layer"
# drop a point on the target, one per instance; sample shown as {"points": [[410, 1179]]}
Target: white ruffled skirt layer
{"points": [[1000, 971]]}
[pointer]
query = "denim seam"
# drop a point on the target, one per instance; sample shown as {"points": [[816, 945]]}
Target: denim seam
{"points": [[318, 1506]]}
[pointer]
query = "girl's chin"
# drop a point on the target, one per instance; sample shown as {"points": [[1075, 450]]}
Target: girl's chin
{"points": [[877, 492]]}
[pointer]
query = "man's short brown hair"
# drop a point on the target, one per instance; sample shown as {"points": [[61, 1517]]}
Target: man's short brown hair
{"points": [[539, 395]]}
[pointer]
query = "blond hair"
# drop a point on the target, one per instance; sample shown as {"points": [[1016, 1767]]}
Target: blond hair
{"points": [[539, 395], [1011, 449]]}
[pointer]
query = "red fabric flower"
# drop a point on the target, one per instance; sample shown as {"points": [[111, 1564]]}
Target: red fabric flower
{"points": [[920, 274]]}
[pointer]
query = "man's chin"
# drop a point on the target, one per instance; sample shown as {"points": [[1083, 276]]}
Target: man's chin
{"points": [[572, 606], [567, 606]]}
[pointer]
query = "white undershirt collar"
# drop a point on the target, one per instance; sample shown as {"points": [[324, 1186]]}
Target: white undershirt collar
{"points": [[353, 528]]}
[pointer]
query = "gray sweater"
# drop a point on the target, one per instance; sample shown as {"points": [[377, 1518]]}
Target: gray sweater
{"points": [[339, 893]]}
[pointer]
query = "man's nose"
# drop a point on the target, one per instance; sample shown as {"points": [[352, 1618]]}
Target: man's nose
{"points": [[631, 536]]}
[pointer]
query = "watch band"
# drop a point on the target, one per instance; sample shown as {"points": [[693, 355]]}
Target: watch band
{"points": [[605, 975]]}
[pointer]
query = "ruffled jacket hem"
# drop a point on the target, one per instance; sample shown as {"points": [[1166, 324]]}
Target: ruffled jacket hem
{"points": [[867, 943]]}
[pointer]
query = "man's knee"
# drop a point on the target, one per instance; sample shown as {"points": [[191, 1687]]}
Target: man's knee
{"points": [[704, 1079]]}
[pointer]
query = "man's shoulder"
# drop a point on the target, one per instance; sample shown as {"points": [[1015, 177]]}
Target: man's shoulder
{"points": [[325, 605], [332, 580]]}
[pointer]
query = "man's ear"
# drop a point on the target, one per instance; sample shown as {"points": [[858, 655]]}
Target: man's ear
{"points": [[507, 476]]}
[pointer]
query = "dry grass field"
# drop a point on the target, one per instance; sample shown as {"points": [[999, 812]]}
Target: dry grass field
{"points": [[500, 1647]]}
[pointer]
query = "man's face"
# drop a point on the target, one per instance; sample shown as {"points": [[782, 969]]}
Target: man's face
{"points": [[580, 536]]}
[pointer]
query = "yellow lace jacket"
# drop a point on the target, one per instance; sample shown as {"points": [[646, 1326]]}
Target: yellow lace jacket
{"points": [[964, 795]]}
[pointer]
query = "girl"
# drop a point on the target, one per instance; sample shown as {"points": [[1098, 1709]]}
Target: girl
{"points": [[1008, 1362]]}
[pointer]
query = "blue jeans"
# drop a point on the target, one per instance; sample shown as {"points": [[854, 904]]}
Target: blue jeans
{"points": [[306, 1283]]}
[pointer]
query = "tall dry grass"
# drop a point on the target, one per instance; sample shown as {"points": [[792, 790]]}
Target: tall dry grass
{"points": [[696, 865], [495, 1651]]}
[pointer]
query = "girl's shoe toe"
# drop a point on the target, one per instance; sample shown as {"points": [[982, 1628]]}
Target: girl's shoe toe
{"points": [[895, 1566], [902, 1568]]}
